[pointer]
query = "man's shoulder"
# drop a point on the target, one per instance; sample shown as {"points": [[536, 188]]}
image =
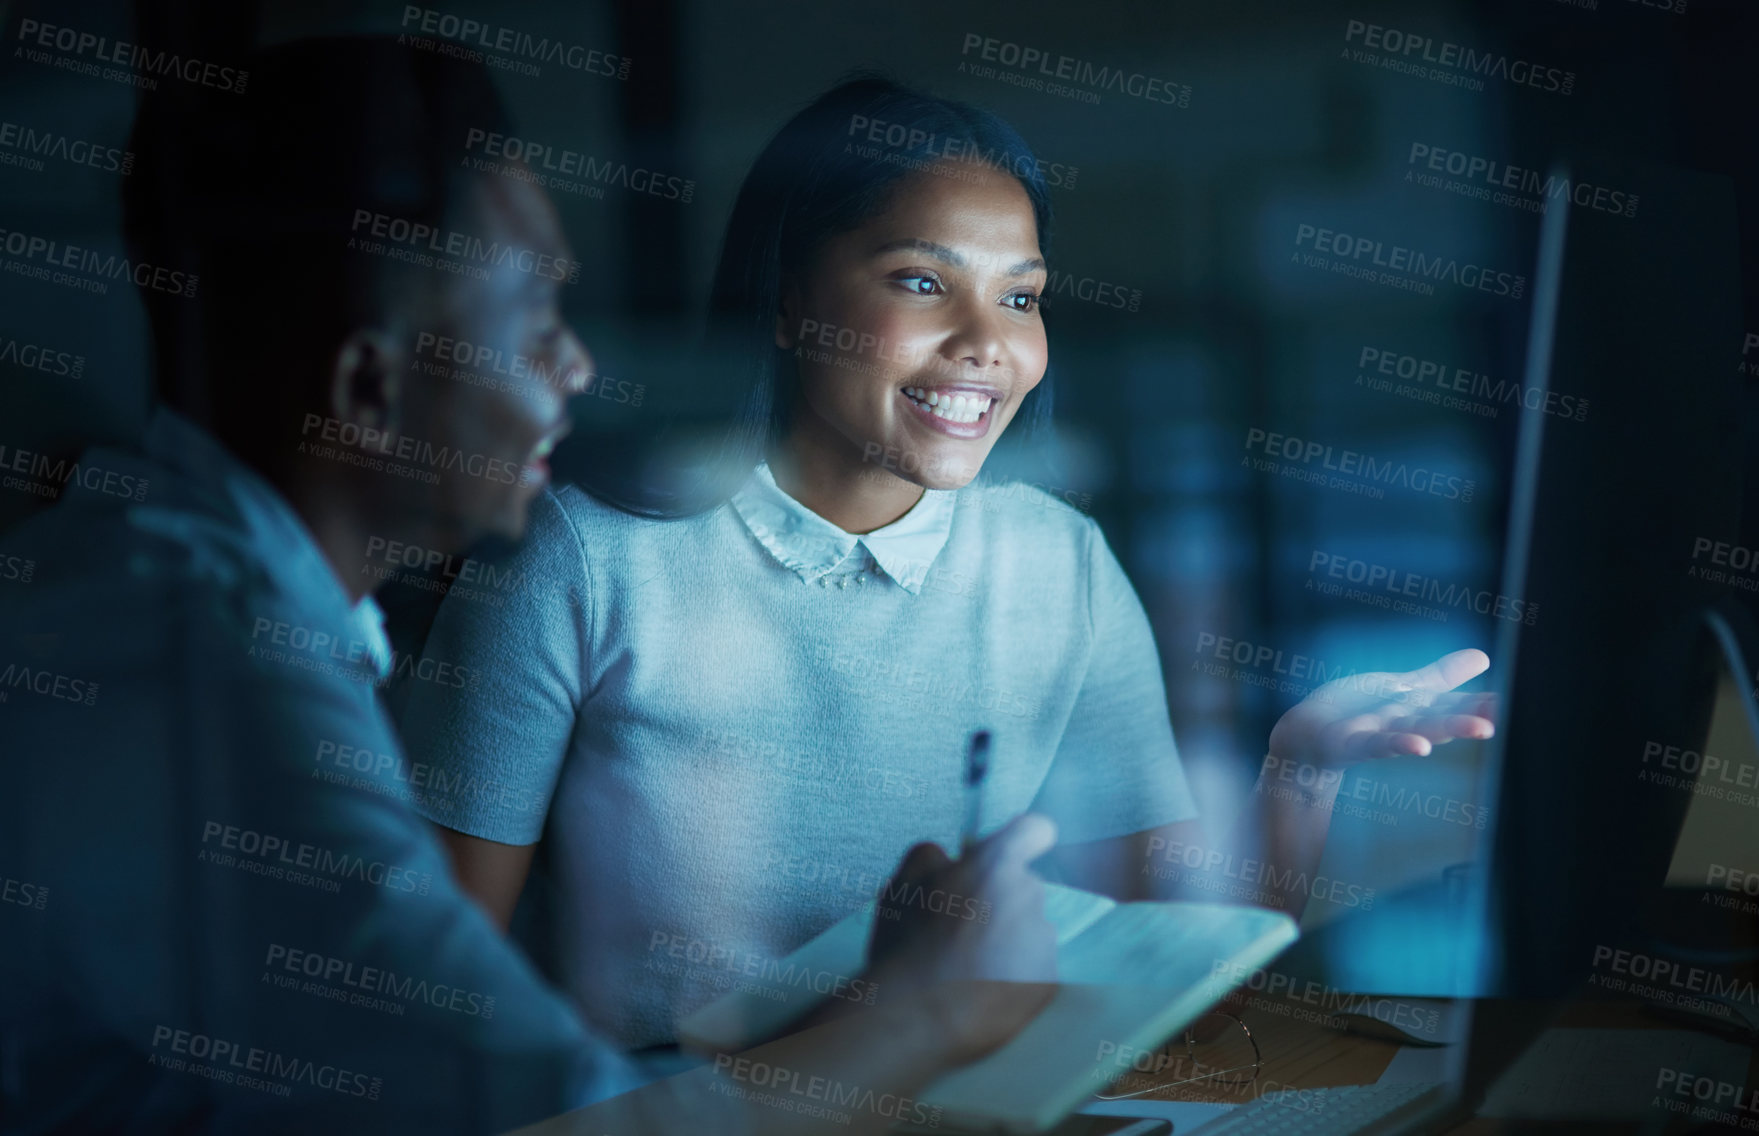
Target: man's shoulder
{"points": [[133, 586]]}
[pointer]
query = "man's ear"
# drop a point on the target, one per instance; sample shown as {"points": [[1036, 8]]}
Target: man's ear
{"points": [[366, 381], [788, 316]]}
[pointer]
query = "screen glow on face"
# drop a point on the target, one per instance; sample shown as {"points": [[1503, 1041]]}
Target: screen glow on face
{"points": [[918, 334]]}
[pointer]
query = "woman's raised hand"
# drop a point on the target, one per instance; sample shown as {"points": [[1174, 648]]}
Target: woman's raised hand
{"points": [[1387, 714]]}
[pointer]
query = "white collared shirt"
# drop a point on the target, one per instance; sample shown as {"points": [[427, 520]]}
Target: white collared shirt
{"points": [[728, 728], [813, 547]]}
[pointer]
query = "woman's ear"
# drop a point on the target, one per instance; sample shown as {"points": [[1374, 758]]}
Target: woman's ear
{"points": [[788, 316]]}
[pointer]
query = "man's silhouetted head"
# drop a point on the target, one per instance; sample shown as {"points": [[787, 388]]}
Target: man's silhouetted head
{"points": [[375, 317]]}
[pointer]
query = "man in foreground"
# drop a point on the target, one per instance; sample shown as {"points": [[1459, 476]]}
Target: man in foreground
{"points": [[237, 922]]}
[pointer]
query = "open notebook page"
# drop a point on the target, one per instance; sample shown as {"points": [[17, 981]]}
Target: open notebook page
{"points": [[1138, 975]]}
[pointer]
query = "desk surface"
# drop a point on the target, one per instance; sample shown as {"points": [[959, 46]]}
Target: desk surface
{"points": [[1300, 1051]]}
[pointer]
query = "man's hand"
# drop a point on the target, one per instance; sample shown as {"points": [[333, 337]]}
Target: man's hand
{"points": [[968, 937], [1386, 714]]}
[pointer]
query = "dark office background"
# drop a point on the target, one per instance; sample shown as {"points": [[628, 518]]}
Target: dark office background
{"points": [[1193, 208]]}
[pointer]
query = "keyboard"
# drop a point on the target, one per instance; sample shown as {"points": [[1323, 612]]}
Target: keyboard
{"points": [[1318, 1112]]}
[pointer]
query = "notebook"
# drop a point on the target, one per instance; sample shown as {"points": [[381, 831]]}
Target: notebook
{"points": [[1131, 975]]}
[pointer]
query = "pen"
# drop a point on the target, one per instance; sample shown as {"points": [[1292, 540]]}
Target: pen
{"points": [[976, 769]]}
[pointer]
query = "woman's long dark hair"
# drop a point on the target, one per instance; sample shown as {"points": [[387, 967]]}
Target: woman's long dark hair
{"points": [[820, 176]]}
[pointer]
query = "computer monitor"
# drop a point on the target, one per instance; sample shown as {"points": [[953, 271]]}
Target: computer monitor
{"points": [[1603, 516]]}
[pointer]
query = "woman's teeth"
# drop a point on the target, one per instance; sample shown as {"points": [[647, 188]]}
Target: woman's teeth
{"points": [[960, 408]]}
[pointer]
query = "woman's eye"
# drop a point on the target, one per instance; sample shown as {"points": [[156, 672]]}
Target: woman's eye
{"points": [[920, 285], [1024, 301]]}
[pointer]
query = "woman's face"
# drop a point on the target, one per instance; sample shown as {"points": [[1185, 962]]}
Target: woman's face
{"points": [[918, 334]]}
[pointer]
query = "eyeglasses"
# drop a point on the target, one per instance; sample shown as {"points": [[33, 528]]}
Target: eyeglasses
{"points": [[1163, 1057]]}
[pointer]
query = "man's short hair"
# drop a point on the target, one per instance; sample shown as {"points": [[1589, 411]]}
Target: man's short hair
{"points": [[258, 195]]}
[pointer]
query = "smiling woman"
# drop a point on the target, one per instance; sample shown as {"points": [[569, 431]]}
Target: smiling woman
{"points": [[726, 726], [944, 285], [875, 217]]}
